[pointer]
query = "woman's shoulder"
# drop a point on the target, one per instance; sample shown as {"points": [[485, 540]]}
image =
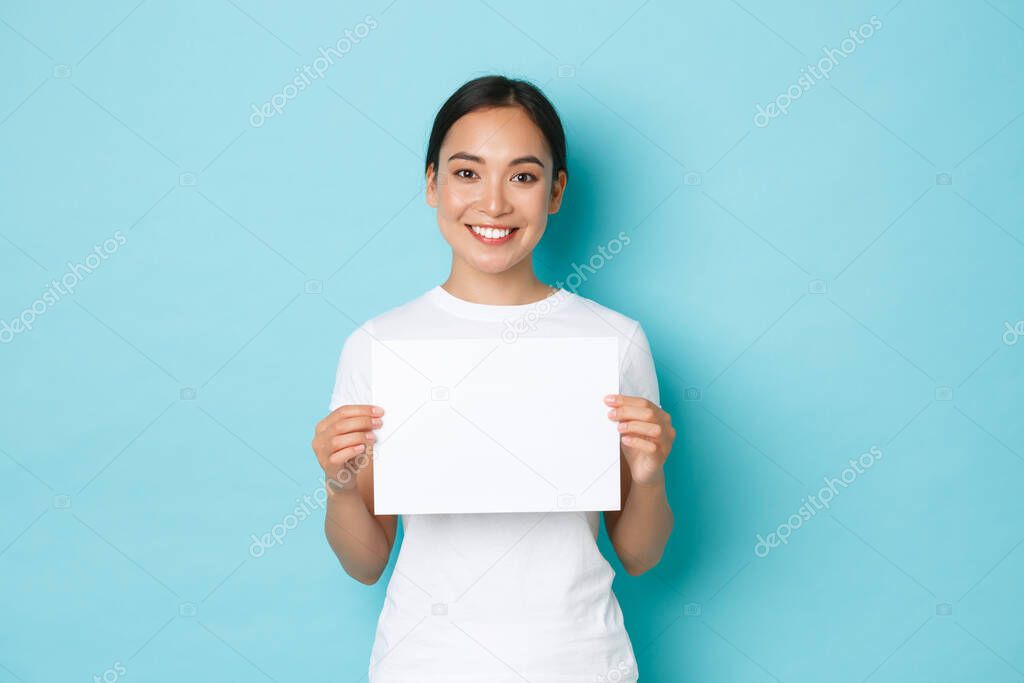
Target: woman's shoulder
{"points": [[391, 322], [616, 320], [636, 364]]}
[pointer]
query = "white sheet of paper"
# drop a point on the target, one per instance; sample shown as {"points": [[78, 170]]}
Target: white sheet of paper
{"points": [[484, 425]]}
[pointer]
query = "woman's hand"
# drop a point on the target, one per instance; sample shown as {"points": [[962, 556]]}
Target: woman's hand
{"points": [[342, 441], [647, 436]]}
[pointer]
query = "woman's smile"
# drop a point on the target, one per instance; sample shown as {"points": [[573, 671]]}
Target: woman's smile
{"points": [[492, 234]]}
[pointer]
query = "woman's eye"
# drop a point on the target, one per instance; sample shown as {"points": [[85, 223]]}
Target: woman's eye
{"points": [[524, 177]]}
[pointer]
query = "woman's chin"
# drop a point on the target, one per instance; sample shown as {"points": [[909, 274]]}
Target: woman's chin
{"points": [[492, 265]]}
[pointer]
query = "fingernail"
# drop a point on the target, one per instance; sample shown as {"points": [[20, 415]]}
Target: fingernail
{"points": [[360, 448], [611, 413], [376, 422], [370, 436], [622, 426], [610, 399], [377, 410]]}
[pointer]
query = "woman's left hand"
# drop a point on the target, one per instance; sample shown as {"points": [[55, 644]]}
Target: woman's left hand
{"points": [[647, 436]]}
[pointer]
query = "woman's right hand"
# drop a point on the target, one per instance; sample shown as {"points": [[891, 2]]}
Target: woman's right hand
{"points": [[343, 443]]}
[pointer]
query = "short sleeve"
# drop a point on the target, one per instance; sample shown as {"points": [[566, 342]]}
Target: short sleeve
{"points": [[637, 376], [352, 378]]}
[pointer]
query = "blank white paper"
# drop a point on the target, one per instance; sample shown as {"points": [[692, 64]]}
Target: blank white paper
{"points": [[484, 425]]}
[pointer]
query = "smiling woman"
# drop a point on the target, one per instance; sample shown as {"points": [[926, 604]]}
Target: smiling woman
{"points": [[497, 596], [496, 168]]}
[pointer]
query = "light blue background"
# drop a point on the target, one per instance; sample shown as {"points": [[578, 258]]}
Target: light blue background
{"points": [[811, 288]]}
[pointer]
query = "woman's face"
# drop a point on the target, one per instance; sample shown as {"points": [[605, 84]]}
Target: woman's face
{"points": [[495, 170]]}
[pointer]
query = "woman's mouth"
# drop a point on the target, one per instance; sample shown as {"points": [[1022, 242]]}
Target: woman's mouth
{"points": [[491, 234]]}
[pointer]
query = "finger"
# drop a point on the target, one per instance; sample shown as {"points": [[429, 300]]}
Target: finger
{"points": [[623, 399], [345, 456], [340, 441], [646, 412], [640, 443], [638, 428], [349, 410], [360, 423]]}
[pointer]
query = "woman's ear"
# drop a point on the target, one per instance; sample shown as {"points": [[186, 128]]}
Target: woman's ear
{"points": [[557, 192], [431, 186]]}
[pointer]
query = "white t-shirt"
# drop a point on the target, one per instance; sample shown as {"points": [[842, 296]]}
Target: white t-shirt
{"points": [[499, 596]]}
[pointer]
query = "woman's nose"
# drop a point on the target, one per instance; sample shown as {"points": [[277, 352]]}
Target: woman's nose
{"points": [[495, 203]]}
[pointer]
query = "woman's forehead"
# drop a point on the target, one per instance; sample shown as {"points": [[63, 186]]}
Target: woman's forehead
{"points": [[497, 134]]}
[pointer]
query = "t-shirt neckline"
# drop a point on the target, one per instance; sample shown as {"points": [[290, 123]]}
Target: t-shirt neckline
{"points": [[477, 311]]}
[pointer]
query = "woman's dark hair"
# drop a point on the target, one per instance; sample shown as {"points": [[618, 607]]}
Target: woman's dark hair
{"points": [[498, 91]]}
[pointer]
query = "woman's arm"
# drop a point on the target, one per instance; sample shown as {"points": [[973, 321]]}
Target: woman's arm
{"points": [[640, 530], [343, 444], [361, 540]]}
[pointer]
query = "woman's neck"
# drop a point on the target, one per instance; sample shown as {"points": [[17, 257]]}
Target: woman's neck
{"points": [[515, 286]]}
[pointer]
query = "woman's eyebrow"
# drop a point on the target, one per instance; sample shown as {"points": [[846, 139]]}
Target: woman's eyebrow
{"points": [[528, 159]]}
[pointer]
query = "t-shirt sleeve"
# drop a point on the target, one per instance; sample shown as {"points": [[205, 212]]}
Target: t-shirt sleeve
{"points": [[352, 378], [637, 375]]}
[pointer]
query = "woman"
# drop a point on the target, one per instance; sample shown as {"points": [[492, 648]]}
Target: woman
{"points": [[499, 596]]}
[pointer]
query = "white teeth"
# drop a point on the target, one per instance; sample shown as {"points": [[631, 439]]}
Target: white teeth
{"points": [[490, 233]]}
